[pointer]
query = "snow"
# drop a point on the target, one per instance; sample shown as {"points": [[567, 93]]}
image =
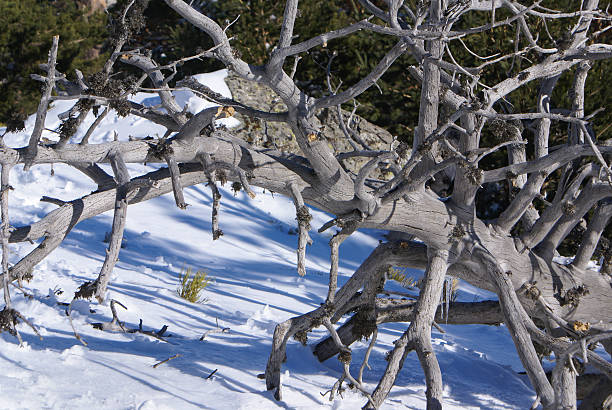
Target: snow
{"points": [[255, 286]]}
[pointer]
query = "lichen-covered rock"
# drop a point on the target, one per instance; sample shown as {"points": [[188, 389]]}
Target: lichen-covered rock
{"points": [[279, 135]]}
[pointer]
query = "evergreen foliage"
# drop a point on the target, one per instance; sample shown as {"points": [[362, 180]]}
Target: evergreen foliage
{"points": [[28, 27]]}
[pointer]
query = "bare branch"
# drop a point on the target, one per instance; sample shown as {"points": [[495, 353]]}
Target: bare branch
{"points": [[123, 178], [41, 113], [522, 201], [591, 237], [513, 312], [551, 214], [219, 37], [205, 92], [418, 336], [363, 84], [177, 188], [4, 231], [555, 159], [303, 217], [216, 195], [573, 211], [334, 244], [93, 126], [287, 50], [97, 174], [397, 310]]}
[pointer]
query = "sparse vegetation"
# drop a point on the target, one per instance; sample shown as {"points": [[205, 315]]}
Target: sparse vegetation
{"points": [[192, 284]]}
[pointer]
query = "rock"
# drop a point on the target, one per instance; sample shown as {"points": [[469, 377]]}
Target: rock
{"points": [[280, 136]]}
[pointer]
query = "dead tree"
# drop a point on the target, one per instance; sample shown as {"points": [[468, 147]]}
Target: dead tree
{"points": [[431, 194]]}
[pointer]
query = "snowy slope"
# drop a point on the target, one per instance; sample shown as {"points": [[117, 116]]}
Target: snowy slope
{"points": [[255, 286]]}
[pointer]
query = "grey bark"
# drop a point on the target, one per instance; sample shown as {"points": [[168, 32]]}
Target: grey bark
{"points": [[114, 245], [303, 217], [41, 113], [513, 311], [564, 380], [418, 337], [543, 127], [459, 243], [593, 233], [393, 310], [4, 231]]}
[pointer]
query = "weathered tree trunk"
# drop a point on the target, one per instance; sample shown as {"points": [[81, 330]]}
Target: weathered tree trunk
{"points": [[431, 194]]}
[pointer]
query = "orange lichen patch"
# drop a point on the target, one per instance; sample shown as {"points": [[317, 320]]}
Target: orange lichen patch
{"points": [[312, 137], [224, 112], [581, 327]]}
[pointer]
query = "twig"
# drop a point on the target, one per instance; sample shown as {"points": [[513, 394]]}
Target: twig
{"points": [[206, 160], [367, 356], [209, 166], [167, 360], [177, 187], [50, 200], [334, 245], [4, 230], [115, 325], [93, 126], [597, 152], [437, 326], [495, 148], [296, 60], [345, 358], [217, 330], [76, 334]]}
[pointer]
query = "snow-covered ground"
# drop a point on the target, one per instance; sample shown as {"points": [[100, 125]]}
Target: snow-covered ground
{"points": [[255, 286]]}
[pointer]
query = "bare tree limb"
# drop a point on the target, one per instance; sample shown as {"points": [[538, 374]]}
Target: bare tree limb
{"points": [[592, 235], [303, 217], [418, 337], [123, 178], [513, 311], [41, 113]]}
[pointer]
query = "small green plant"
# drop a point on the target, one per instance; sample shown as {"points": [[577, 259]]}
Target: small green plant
{"points": [[192, 284], [399, 276]]}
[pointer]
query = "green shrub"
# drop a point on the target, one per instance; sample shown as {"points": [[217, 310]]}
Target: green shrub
{"points": [[192, 284], [28, 27]]}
